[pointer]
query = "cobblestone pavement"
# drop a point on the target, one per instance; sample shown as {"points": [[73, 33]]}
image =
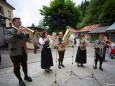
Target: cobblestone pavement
{"points": [[82, 77]]}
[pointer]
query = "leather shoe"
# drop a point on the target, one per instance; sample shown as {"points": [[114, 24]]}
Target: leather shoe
{"points": [[50, 69], [22, 83], [59, 66], [94, 67], [28, 78], [82, 65], [62, 65], [78, 65], [47, 70], [101, 68]]}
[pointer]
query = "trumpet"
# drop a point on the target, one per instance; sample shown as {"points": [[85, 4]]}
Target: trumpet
{"points": [[27, 30], [31, 33]]}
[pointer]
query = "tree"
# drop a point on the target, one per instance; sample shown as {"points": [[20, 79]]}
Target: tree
{"points": [[33, 25], [83, 7], [107, 16], [101, 12], [41, 24], [59, 14], [93, 12]]}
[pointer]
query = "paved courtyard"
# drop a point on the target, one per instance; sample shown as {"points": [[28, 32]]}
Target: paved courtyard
{"points": [[82, 77]]}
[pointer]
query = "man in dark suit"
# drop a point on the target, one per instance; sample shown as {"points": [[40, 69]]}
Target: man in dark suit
{"points": [[16, 39]]}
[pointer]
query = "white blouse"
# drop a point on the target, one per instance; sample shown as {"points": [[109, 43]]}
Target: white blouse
{"points": [[41, 41]]}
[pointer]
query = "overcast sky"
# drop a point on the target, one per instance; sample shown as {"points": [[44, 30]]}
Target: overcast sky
{"points": [[28, 11]]}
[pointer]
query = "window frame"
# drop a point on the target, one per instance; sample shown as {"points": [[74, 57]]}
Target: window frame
{"points": [[1, 10], [9, 13]]}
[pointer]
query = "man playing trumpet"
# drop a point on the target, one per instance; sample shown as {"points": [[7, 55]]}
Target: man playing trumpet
{"points": [[16, 39]]}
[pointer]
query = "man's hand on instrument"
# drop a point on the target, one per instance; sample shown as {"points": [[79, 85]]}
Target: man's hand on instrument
{"points": [[20, 31]]}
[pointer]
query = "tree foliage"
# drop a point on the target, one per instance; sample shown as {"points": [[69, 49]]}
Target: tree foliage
{"points": [[33, 25], [107, 16], [83, 7], [62, 13], [41, 24], [59, 14], [99, 12]]}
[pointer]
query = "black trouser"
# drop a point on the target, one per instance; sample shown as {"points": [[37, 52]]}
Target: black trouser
{"points": [[61, 56], [99, 58], [0, 57], [35, 48], [17, 61]]}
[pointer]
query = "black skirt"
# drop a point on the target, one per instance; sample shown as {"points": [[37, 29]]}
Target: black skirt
{"points": [[46, 58], [81, 56]]}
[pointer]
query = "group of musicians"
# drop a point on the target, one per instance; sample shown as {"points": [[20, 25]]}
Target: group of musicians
{"points": [[16, 40]]}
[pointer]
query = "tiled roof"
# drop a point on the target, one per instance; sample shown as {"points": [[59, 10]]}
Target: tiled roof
{"points": [[111, 28], [101, 29], [88, 28], [76, 31]]}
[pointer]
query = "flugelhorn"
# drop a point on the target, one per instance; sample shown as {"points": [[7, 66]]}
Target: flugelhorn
{"points": [[32, 33], [27, 30]]}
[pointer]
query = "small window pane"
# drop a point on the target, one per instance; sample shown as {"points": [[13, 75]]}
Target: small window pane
{"points": [[1, 10], [9, 14]]}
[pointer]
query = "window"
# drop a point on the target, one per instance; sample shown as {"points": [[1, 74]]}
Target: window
{"points": [[0, 23], [9, 14], [10, 24], [1, 10]]}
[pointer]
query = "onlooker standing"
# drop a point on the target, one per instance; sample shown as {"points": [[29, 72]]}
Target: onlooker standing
{"points": [[35, 45], [75, 41]]}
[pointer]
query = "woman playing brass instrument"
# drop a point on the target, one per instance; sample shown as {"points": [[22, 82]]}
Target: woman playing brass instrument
{"points": [[81, 52], [46, 55]]}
